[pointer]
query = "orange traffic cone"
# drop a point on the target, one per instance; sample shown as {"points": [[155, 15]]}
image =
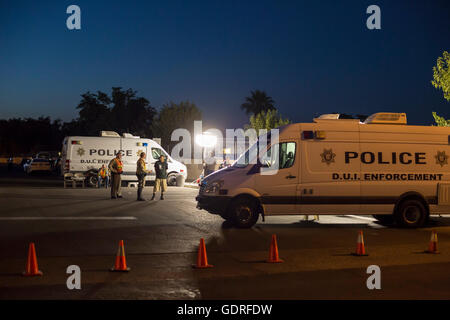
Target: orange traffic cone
{"points": [[32, 265], [432, 247], [202, 259], [360, 250], [273, 254], [121, 263]]}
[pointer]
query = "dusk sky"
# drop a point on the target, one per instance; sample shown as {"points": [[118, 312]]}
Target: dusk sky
{"points": [[311, 57]]}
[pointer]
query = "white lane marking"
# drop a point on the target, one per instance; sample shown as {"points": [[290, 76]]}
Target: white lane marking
{"points": [[362, 218], [68, 218]]}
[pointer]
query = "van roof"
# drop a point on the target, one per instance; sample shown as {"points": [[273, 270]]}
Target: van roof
{"points": [[355, 125]]}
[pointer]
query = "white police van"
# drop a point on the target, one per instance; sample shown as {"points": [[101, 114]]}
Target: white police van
{"points": [[381, 167], [87, 155]]}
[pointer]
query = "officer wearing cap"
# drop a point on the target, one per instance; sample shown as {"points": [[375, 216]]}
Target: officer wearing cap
{"points": [[141, 172], [116, 169]]}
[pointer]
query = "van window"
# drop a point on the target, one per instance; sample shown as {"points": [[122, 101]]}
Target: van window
{"points": [[157, 152], [286, 155]]}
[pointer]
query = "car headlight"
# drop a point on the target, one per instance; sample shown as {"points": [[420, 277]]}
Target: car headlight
{"points": [[213, 187]]}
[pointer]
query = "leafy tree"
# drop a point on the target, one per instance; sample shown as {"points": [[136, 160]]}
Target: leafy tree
{"points": [[122, 112], [94, 113], [441, 80], [28, 136], [441, 75], [269, 119], [440, 121], [131, 113], [173, 116], [257, 102]]}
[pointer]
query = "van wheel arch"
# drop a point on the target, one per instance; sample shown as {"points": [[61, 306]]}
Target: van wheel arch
{"points": [[253, 198], [411, 197], [170, 181]]}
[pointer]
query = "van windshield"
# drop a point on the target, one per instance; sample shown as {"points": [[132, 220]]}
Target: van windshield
{"points": [[157, 152], [247, 157]]}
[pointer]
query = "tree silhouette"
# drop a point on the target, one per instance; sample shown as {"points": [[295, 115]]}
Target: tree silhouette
{"points": [[122, 112], [173, 116], [257, 102], [94, 114], [28, 136]]}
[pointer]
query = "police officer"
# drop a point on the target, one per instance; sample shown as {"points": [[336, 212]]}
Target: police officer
{"points": [[161, 177], [116, 169], [103, 176], [141, 172], [209, 165]]}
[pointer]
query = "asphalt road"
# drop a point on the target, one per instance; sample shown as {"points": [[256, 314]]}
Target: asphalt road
{"points": [[83, 227]]}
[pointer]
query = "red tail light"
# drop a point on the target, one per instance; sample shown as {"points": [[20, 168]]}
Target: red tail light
{"points": [[67, 166]]}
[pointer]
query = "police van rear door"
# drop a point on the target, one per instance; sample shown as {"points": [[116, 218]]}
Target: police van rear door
{"points": [[131, 149]]}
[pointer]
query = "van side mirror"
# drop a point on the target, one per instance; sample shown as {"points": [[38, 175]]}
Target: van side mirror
{"points": [[256, 168]]}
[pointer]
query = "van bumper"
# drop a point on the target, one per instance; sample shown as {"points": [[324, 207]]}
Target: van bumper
{"points": [[213, 204]]}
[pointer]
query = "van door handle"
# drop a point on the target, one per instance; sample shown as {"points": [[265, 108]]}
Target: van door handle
{"points": [[290, 177]]}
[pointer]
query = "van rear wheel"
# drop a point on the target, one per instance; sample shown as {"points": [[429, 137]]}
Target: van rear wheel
{"points": [[411, 214], [243, 212], [93, 181]]}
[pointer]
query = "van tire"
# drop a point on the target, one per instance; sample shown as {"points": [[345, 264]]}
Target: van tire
{"points": [[92, 181], [387, 219], [172, 179], [243, 212], [411, 213]]}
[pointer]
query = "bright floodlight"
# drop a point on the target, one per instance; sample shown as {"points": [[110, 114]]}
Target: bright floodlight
{"points": [[206, 140]]}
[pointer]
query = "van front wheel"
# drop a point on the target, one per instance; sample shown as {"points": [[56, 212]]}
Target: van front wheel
{"points": [[244, 213], [411, 214]]}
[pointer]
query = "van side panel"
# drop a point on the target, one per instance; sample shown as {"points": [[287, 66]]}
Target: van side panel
{"points": [[396, 160], [91, 153]]}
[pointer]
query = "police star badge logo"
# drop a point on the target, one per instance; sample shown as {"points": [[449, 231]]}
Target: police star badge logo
{"points": [[441, 158], [328, 156], [80, 152]]}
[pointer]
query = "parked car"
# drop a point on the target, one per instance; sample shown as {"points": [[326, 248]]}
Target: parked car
{"points": [[39, 165]]}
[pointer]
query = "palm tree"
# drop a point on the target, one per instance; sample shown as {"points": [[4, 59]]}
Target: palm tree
{"points": [[257, 102]]}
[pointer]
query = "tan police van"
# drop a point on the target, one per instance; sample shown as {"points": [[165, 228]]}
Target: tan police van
{"points": [[382, 167]]}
